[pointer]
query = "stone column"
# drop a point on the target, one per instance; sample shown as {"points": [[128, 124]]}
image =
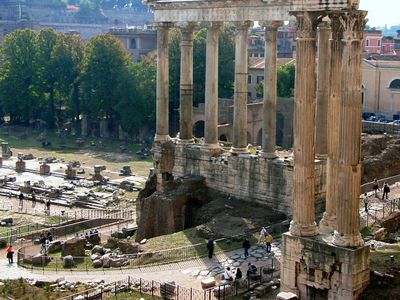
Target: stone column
{"points": [[303, 223], [239, 144], [186, 84], [321, 132], [211, 92], [84, 125], [328, 222], [270, 101], [162, 126], [347, 233]]}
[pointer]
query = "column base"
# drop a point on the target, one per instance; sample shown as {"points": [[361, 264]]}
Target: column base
{"points": [[184, 142], [268, 155], [162, 138], [210, 146], [303, 229], [327, 224], [239, 150], [347, 240]]}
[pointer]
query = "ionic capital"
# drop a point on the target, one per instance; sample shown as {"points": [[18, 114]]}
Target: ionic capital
{"points": [[215, 25], [271, 25], [162, 25], [243, 25]]}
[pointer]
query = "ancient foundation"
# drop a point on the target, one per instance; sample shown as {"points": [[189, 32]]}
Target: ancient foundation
{"points": [[314, 268], [252, 178]]}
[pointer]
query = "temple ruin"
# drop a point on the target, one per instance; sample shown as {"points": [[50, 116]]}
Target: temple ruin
{"points": [[328, 261]]}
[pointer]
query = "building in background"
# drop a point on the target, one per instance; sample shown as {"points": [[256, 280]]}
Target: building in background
{"points": [[373, 41], [138, 40]]}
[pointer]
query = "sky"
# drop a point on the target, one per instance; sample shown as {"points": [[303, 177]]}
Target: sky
{"points": [[381, 12]]}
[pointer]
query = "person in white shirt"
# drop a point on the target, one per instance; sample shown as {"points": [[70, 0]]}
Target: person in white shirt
{"points": [[228, 274], [263, 233]]}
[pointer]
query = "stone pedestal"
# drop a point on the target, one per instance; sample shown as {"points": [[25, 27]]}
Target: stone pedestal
{"points": [[70, 173], [44, 169], [20, 166], [316, 269], [104, 129], [26, 188]]}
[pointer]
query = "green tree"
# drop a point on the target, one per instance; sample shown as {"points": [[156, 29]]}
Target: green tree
{"points": [[286, 79], [137, 110], [46, 76], [18, 96], [104, 65]]}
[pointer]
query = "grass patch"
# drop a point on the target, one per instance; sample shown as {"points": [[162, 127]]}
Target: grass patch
{"points": [[380, 258], [368, 230], [132, 295]]}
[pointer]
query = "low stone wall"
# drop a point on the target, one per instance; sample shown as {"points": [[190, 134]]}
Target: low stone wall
{"points": [[248, 177]]}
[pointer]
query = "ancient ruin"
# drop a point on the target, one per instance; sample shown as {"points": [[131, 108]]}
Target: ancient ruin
{"points": [[329, 262]]}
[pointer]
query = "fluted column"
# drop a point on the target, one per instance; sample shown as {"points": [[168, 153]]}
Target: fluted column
{"points": [[270, 90], [186, 84], [321, 132], [303, 223], [328, 222], [347, 208], [211, 90], [162, 126], [241, 89]]}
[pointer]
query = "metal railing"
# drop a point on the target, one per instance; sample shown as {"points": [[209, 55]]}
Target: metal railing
{"points": [[380, 127], [375, 215], [159, 290]]}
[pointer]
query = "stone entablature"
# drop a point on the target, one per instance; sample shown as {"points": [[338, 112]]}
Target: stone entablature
{"points": [[231, 11], [246, 176]]}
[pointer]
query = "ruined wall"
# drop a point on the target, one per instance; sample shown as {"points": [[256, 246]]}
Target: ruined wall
{"points": [[247, 177]]}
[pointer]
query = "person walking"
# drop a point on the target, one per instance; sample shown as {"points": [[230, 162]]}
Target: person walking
{"points": [[386, 191], [10, 254], [375, 186], [246, 245], [210, 247], [268, 241]]}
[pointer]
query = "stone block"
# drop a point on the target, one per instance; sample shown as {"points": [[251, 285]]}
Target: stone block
{"points": [[208, 283], [55, 246], [286, 296], [68, 261], [44, 169], [40, 260], [74, 247], [20, 166]]}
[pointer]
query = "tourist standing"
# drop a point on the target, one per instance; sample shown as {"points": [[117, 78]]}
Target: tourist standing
{"points": [[10, 254], [375, 186], [246, 245], [21, 198], [33, 199], [210, 247], [366, 200], [263, 233], [48, 207], [268, 241], [386, 191]]}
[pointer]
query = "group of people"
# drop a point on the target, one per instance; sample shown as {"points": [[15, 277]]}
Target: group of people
{"points": [[385, 189], [236, 274], [21, 198], [91, 233], [265, 238], [375, 186]]}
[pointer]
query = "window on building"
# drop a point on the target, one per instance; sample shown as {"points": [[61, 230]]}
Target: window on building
{"points": [[367, 43], [260, 79], [249, 95], [379, 43], [259, 95], [395, 84], [249, 79], [132, 44]]}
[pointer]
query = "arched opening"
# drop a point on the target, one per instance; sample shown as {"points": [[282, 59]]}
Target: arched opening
{"points": [[132, 44], [198, 129], [223, 138], [190, 209], [259, 137], [395, 84]]}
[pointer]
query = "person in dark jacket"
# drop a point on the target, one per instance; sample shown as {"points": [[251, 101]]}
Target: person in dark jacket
{"points": [[210, 247], [386, 191], [246, 246]]}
